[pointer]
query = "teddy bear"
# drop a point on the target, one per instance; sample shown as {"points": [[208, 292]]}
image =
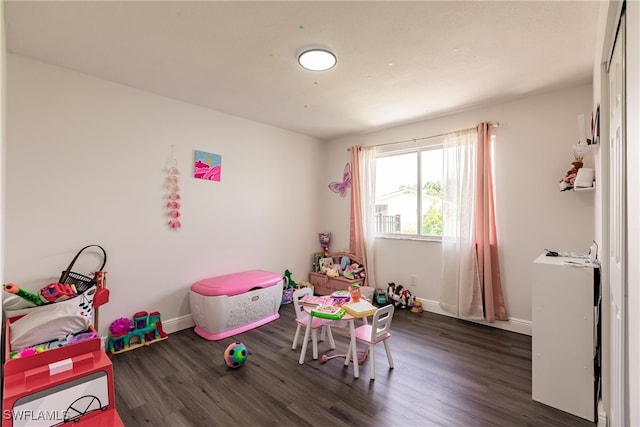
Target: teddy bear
{"points": [[570, 177]]}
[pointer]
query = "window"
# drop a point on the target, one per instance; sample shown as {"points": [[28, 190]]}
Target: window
{"points": [[402, 210]]}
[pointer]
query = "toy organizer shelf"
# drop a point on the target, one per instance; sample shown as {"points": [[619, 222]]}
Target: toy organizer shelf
{"points": [[325, 285]]}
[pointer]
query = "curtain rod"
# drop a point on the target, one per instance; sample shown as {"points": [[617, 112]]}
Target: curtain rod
{"points": [[493, 125]]}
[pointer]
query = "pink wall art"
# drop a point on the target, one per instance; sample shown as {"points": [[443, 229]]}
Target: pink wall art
{"points": [[207, 166]]}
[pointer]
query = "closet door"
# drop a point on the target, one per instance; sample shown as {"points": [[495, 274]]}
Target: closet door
{"points": [[617, 233]]}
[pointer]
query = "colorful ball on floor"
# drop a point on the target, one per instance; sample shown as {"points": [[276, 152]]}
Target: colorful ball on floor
{"points": [[235, 355]]}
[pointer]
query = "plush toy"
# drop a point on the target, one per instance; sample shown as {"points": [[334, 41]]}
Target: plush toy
{"points": [[570, 177], [325, 264], [405, 298], [416, 306], [348, 273], [345, 262], [305, 284], [288, 281], [391, 291], [398, 296], [352, 271], [332, 272]]}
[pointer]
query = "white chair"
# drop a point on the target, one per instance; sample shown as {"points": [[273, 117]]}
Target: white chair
{"points": [[377, 331], [302, 319]]}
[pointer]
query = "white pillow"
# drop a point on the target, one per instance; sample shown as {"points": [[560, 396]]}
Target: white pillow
{"points": [[47, 323]]}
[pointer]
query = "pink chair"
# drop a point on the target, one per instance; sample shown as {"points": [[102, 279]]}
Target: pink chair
{"points": [[377, 331], [302, 319]]}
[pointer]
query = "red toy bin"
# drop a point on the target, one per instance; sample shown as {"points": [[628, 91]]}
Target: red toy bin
{"points": [[21, 364], [48, 388]]}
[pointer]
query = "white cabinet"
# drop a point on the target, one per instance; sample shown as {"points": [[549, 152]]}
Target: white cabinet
{"points": [[565, 341]]}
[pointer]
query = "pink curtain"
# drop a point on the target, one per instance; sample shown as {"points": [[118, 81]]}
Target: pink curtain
{"points": [[356, 228], [486, 238]]}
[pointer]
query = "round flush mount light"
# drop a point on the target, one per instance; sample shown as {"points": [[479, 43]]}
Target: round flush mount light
{"points": [[317, 59]]}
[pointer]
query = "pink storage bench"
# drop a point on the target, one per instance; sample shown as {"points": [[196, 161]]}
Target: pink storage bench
{"points": [[228, 305]]}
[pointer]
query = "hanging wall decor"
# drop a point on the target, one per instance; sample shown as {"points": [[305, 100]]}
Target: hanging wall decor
{"points": [[341, 187], [207, 166], [173, 202]]}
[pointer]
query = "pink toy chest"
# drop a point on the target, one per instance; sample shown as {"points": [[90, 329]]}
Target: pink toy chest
{"points": [[228, 305]]}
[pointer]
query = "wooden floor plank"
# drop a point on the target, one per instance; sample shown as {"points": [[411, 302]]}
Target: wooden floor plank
{"points": [[448, 372]]}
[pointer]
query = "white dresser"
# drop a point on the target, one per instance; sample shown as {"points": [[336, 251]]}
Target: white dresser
{"points": [[566, 334]]}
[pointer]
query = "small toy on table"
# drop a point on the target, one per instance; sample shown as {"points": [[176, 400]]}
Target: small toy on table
{"points": [[328, 312], [341, 297], [354, 290]]}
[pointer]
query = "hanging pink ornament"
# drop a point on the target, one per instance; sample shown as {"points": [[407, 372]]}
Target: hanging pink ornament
{"points": [[173, 206]]}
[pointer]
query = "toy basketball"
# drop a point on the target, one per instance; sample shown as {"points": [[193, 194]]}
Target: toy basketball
{"points": [[235, 355]]}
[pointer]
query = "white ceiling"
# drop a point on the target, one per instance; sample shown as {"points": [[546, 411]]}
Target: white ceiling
{"points": [[398, 62]]}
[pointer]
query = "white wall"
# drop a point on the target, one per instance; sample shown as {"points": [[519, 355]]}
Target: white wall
{"points": [[3, 128], [86, 163], [533, 152]]}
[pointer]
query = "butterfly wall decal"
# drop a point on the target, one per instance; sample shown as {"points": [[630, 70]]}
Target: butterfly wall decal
{"points": [[341, 187]]}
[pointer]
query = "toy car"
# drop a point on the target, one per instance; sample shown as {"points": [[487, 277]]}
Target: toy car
{"points": [[381, 297]]}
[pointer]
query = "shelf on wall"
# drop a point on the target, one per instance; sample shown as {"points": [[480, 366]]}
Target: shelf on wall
{"points": [[581, 150], [593, 187]]}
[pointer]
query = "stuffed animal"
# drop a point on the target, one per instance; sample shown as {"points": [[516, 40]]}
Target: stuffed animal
{"points": [[332, 272], [325, 264], [305, 284], [288, 281], [353, 271], [391, 292], [416, 306], [398, 296], [570, 177], [405, 298]]}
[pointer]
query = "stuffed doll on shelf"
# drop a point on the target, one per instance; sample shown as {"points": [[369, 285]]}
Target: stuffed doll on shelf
{"points": [[567, 183]]}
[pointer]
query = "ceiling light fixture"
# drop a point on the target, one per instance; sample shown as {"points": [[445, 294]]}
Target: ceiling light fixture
{"points": [[317, 59]]}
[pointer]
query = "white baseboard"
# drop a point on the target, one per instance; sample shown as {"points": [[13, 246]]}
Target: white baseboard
{"points": [[514, 325], [178, 323]]}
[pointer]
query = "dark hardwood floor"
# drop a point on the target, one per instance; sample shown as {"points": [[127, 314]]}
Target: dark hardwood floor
{"points": [[447, 372]]}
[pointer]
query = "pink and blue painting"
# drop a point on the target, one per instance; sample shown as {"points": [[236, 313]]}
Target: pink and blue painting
{"points": [[207, 166]]}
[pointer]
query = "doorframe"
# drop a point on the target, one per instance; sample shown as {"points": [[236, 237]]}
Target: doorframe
{"points": [[613, 13], [632, 16]]}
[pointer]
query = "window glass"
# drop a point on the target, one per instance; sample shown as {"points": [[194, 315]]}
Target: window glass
{"points": [[401, 208], [396, 201], [431, 172]]}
